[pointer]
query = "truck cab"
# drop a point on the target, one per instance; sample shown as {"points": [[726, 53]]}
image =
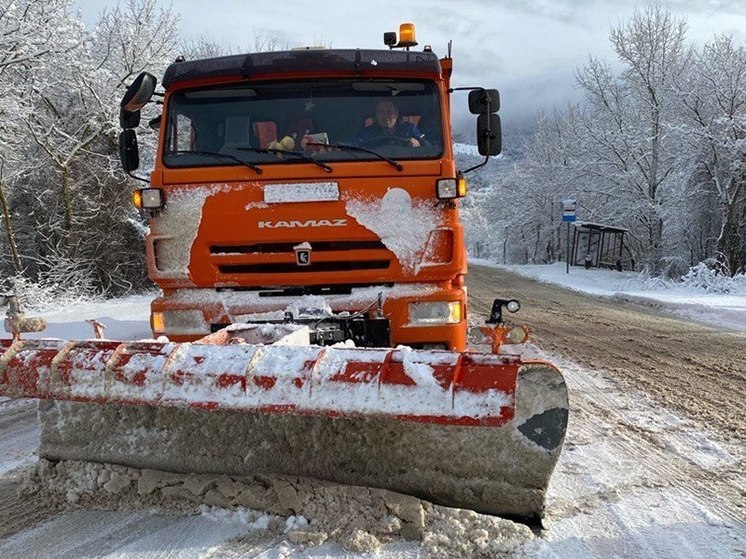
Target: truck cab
{"points": [[278, 195]]}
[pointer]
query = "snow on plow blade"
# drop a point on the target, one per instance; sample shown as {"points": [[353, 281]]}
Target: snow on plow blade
{"points": [[471, 430]]}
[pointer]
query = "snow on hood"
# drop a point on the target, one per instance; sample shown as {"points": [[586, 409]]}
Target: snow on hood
{"points": [[402, 225], [179, 223]]}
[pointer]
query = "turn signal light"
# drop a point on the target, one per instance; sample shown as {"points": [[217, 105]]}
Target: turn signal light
{"points": [[157, 322], [183, 321]]}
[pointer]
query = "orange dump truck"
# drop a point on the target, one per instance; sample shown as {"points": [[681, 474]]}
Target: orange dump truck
{"points": [[305, 233]]}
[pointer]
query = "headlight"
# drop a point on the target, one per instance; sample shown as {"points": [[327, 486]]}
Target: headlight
{"points": [[435, 312], [451, 188], [179, 322]]}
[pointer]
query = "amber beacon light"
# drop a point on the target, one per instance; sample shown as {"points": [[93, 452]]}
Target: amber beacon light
{"points": [[406, 35]]}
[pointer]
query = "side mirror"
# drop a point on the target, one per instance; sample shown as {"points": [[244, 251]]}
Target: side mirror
{"points": [[128, 152], [489, 134], [139, 92], [483, 101], [155, 123], [137, 95]]}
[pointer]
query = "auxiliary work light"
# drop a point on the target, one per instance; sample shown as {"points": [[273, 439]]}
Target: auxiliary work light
{"points": [[451, 188], [148, 198]]}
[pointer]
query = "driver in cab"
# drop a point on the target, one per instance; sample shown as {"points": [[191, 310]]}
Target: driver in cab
{"points": [[388, 125]]}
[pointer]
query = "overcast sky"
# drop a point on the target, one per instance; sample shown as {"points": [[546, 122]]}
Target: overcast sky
{"points": [[528, 49]]}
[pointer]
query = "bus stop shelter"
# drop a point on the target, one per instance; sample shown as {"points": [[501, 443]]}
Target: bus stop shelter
{"points": [[595, 245]]}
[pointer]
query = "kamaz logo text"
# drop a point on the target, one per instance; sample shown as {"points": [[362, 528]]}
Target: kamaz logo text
{"points": [[307, 223]]}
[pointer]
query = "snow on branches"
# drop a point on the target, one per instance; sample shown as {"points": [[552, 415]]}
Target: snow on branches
{"points": [[657, 147], [67, 214]]}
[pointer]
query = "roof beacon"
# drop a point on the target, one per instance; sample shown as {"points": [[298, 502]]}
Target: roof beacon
{"points": [[406, 37]]}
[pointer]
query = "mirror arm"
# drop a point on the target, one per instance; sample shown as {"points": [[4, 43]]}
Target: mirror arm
{"points": [[489, 108], [479, 166], [138, 178]]}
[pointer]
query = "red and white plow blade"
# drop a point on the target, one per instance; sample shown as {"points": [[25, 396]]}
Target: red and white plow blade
{"points": [[467, 430], [423, 386]]}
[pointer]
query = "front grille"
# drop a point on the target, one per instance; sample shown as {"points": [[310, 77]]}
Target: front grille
{"points": [[291, 267], [301, 290], [279, 257], [280, 248]]}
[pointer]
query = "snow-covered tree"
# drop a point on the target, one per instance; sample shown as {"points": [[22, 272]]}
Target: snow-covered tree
{"points": [[34, 34], [59, 99], [714, 100], [658, 147], [633, 121]]}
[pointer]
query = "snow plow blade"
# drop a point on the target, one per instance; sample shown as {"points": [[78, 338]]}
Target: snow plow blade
{"points": [[469, 430]]}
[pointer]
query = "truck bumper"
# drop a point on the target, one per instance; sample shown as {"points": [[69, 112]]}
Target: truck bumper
{"points": [[189, 314]]}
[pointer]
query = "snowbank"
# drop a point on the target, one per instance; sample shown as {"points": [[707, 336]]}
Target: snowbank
{"points": [[303, 512]]}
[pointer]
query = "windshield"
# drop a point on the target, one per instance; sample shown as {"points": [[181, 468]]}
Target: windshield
{"points": [[359, 120]]}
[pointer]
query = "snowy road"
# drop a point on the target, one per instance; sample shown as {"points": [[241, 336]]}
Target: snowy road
{"points": [[655, 458], [636, 481], [653, 465]]}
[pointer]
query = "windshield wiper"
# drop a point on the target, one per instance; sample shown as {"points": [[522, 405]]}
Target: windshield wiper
{"points": [[299, 155], [251, 166], [347, 147]]}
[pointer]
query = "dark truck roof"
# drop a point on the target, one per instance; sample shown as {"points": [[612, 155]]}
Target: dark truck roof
{"points": [[366, 63]]}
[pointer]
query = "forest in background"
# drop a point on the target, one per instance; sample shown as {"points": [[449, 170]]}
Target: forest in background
{"points": [[657, 147], [68, 224]]}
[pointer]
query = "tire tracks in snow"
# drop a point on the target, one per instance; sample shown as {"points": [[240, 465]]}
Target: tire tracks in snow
{"points": [[675, 454], [19, 438], [19, 513]]}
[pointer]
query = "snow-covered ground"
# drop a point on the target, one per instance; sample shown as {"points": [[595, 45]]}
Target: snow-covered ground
{"points": [[632, 481], [727, 310], [466, 149], [126, 318]]}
